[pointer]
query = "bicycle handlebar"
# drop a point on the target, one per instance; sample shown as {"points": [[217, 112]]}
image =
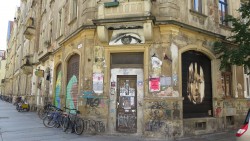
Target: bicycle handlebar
{"points": [[70, 109]]}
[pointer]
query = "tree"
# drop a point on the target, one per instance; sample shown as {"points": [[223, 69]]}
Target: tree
{"points": [[238, 51]]}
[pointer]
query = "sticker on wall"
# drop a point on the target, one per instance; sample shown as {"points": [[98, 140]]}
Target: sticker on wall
{"points": [[156, 62], [154, 84], [98, 83], [165, 82], [128, 36]]}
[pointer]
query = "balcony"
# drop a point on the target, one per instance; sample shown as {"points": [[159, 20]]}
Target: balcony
{"points": [[124, 15], [124, 9], [27, 64], [30, 28]]}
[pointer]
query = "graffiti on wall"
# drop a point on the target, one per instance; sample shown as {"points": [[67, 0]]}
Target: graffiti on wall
{"points": [[58, 90], [158, 113], [126, 122], [218, 109], [93, 126], [72, 96], [94, 103]]}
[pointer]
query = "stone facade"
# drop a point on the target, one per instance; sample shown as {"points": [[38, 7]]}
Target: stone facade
{"points": [[143, 67]]}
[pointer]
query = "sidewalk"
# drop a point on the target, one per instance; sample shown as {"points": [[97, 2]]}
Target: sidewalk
{"points": [[26, 126]]}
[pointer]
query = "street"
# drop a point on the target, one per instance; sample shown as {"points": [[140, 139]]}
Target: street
{"points": [[26, 126]]}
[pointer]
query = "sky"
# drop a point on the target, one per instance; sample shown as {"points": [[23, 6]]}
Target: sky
{"points": [[7, 13]]}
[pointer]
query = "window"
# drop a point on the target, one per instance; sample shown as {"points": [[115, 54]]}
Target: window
{"points": [[223, 11], [44, 2], [72, 10], [60, 23], [50, 32], [226, 83], [197, 5], [246, 82]]}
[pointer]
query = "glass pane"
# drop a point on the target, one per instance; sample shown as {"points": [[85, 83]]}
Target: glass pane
{"points": [[196, 5], [247, 87], [127, 58]]}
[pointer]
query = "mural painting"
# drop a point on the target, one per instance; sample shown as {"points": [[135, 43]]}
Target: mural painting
{"points": [[58, 90], [129, 36], [71, 95], [196, 85]]}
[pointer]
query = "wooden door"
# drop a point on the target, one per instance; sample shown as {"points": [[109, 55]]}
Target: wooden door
{"points": [[126, 104]]}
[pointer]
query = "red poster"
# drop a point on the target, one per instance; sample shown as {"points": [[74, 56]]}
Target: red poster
{"points": [[154, 84]]}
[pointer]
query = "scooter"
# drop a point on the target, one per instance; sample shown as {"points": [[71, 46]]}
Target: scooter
{"points": [[22, 106]]}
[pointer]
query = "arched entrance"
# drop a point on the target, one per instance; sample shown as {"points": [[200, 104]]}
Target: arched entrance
{"points": [[196, 85], [72, 81]]}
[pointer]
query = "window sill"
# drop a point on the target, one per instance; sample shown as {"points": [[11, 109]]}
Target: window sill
{"points": [[71, 21], [226, 27], [195, 13], [59, 37]]}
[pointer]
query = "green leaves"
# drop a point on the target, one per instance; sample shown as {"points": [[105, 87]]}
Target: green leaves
{"points": [[237, 50]]}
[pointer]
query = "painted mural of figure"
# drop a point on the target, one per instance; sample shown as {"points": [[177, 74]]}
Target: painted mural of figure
{"points": [[196, 84], [58, 90]]}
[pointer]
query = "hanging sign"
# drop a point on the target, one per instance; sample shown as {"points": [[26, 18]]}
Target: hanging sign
{"points": [[39, 73]]}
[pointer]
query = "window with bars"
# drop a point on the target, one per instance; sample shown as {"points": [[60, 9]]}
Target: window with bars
{"points": [[223, 11]]}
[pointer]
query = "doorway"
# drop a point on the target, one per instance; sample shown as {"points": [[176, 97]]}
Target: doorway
{"points": [[126, 103]]}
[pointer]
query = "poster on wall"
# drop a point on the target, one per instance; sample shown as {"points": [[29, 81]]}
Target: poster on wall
{"points": [[165, 82], [98, 83], [154, 84]]}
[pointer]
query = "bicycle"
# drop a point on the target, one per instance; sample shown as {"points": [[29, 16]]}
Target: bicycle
{"points": [[43, 112], [73, 122], [54, 118]]}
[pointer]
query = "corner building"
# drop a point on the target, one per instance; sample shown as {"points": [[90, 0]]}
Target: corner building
{"points": [[141, 67]]}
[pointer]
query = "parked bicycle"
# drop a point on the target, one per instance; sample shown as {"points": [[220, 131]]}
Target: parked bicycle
{"points": [[43, 112], [73, 122], [54, 118]]}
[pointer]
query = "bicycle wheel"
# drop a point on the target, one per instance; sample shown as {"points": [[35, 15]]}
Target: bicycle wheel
{"points": [[48, 121], [78, 125], [41, 113], [61, 120], [65, 124]]}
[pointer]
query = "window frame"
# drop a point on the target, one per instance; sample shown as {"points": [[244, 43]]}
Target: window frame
{"points": [[197, 8], [60, 22], [246, 72], [73, 11], [222, 16], [224, 76]]}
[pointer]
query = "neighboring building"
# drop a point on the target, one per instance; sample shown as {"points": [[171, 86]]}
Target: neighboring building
{"points": [[145, 67], [2, 70], [10, 26]]}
